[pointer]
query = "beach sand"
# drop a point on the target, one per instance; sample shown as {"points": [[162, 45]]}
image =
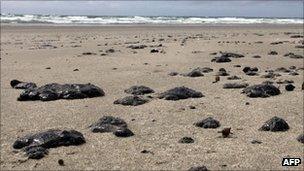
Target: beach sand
{"points": [[26, 52]]}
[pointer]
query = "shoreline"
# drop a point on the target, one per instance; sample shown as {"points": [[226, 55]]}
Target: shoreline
{"points": [[151, 26]]}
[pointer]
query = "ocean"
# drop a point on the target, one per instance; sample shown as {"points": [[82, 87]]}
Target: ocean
{"points": [[104, 20]]}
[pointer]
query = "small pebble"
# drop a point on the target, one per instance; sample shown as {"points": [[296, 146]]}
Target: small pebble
{"points": [[223, 165], [61, 162], [192, 107], [186, 140], [256, 142], [123, 132], [289, 87], [146, 152]]}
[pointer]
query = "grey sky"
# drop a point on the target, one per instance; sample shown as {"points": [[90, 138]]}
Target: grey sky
{"points": [[157, 8]]}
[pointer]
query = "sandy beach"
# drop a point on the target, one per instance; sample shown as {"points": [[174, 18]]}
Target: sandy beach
{"points": [[81, 54]]}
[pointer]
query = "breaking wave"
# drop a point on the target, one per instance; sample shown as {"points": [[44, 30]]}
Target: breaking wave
{"points": [[67, 19]]}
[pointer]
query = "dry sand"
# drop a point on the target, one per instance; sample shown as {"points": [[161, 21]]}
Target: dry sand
{"points": [[23, 58]]}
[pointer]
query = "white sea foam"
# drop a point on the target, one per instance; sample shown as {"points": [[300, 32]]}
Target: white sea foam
{"points": [[57, 19]]}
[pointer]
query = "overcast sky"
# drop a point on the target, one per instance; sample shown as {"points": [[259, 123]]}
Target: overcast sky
{"points": [[158, 8]]}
